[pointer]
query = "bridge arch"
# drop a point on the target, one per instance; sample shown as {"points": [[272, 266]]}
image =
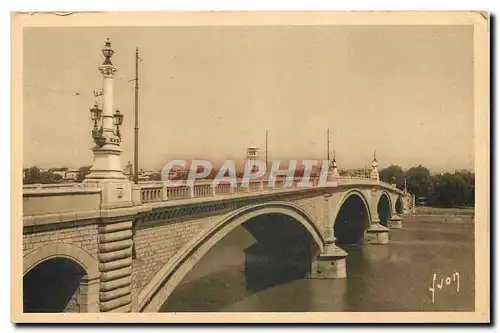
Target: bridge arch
{"points": [[399, 206], [384, 208], [61, 250], [352, 218], [164, 282], [55, 279]]}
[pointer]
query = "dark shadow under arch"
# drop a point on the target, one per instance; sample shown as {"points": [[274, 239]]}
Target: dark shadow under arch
{"points": [[384, 209], [159, 288], [53, 286], [283, 251], [352, 220], [263, 252], [399, 206]]}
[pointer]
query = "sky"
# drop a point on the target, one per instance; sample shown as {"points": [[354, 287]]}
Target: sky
{"points": [[209, 92]]}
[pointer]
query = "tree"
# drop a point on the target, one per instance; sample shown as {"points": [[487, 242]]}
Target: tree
{"points": [[48, 177], [451, 190], [468, 190], [393, 174], [419, 181], [31, 175]]}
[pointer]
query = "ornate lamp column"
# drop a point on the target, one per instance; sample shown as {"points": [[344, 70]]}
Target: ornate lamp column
{"points": [[406, 201], [376, 233], [333, 172], [106, 171], [374, 174], [117, 211], [107, 164]]}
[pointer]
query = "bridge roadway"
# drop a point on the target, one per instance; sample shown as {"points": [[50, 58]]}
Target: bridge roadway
{"points": [[83, 255]]}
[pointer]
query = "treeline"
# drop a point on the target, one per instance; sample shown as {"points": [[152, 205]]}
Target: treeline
{"points": [[440, 190], [34, 175]]}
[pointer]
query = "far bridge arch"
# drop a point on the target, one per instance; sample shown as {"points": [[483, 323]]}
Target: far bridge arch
{"points": [[352, 218], [384, 208], [160, 287], [399, 206]]}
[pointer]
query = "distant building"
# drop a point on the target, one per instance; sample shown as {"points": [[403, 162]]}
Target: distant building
{"points": [[70, 175], [178, 173], [59, 171], [144, 175]]}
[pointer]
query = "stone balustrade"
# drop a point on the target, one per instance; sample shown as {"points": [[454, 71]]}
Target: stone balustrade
{"points": [[60, 200], [178, 192], [151, 192]]}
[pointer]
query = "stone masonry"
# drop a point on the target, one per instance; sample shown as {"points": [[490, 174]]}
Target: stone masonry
{"points": [[128, 252]]}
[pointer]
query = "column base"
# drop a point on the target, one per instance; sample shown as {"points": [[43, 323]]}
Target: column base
{"points": [[396, 222], [377, 234], [331, 264], [115, 192]]}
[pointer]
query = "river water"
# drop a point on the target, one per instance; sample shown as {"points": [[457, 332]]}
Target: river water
{"points": [[430, 251]]}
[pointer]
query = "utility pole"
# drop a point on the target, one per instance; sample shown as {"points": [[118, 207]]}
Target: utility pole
{"points": [[328, 144], [136, 127], [266, 153]]}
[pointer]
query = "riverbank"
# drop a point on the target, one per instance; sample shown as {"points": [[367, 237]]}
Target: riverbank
{"points": [[444, 211]]}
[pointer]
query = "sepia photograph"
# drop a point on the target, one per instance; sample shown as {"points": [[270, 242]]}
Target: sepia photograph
{"points": [[250, 166]]}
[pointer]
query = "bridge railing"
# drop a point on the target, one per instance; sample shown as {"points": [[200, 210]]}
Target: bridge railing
{"points": [[158, 191], [52, 199], [353, 178], [178, 193], [151, 192], [52, 186]]}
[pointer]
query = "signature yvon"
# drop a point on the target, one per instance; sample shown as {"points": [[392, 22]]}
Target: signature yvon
{"points": [[444, 282]]}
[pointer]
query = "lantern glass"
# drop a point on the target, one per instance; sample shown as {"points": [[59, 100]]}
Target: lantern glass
{"points": [[107, 51], [118, 118], [95, 112]]}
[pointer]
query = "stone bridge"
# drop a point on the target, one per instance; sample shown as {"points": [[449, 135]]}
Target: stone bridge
{"points": [[110, 245], [85, 253]]}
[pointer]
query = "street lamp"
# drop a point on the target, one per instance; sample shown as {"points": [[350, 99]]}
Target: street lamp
{"points": [[97, 131], [106, 131], [95, 115], [107, 52], [117, 121]]}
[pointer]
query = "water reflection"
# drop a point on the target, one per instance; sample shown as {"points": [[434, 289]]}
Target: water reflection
{"points": [[394, 277]]}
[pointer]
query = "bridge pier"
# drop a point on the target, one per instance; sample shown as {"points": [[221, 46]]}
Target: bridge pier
{"points": [[395, 222], [377, 233], [115, 264], [331, 264], [115, 241], [89, 294]]}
